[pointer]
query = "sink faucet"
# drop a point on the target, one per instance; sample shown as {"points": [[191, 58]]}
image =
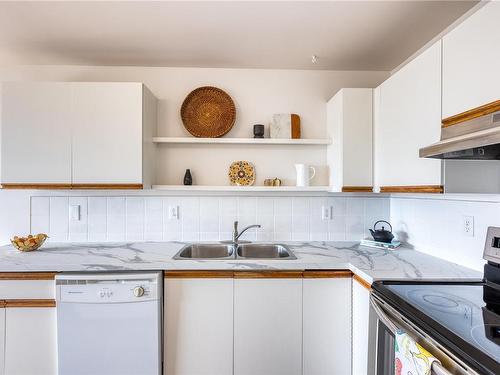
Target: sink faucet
{"points": [[237, 235]]}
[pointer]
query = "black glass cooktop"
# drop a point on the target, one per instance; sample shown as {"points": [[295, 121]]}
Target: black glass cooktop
{"points": [[465, 317]]}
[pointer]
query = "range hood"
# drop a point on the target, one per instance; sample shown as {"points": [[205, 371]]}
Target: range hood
{"points": [[471, 135]]}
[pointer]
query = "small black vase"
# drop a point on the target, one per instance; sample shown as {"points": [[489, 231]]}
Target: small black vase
{"points": [[258, 131], [188, 179]]}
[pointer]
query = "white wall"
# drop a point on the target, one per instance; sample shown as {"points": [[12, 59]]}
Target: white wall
{"points": [[258, 94], [434, 225]]}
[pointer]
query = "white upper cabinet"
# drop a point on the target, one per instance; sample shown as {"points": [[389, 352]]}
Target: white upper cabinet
{"points": [[471, 57], [36, 133], [408, 118], [107, 133], [77, 134], [350, 125]]}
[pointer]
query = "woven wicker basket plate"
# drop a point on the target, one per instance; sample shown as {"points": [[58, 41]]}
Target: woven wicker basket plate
{"points": [[208, 112]]}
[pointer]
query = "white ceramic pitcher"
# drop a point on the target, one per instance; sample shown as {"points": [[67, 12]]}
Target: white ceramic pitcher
{"points": [[304, 174]]}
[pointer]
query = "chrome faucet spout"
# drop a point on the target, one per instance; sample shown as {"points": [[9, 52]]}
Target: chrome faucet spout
{"points": [[237, 235]]}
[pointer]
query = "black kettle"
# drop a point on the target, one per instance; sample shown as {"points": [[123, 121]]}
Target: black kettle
{"points": [[382, 235]]}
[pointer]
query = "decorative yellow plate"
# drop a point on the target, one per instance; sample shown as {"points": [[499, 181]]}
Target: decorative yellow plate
{"points": [[241, 173]]}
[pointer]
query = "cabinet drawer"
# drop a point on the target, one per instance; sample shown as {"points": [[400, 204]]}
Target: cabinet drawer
{"points": [[27, 289]]}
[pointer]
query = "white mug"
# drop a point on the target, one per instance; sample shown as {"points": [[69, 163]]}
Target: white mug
{"points": [[303, 174]]}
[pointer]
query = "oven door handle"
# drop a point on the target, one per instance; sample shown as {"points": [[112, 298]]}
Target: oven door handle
{"points": [[437, 368], [383, 316]]}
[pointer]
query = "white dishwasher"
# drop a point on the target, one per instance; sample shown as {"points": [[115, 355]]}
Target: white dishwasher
{"points": [[109, 323]]}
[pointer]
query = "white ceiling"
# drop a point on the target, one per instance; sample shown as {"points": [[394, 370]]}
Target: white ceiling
{"points": [[372, 35]]}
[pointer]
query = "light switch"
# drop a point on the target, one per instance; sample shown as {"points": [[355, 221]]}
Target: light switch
{"points": [[173, 212], [74, 212], [326, 212]]}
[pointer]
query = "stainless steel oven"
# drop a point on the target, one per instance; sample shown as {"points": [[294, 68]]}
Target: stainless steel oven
{"points": [[387, 323]]}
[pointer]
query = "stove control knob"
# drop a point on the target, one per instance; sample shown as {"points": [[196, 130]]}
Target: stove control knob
{"points": [[138, 291]]}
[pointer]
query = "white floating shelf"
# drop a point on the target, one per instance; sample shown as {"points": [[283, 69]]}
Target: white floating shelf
{"points": [[247, 141], [243, 188]]}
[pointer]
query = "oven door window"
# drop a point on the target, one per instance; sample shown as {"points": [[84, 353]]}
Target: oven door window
{"points": [[385, 350]]}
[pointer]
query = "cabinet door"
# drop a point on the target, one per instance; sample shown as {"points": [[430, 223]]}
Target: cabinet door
{"points": [[198, 326], [470, 62], [409, 118], [350, 125], [30, 341], [267, 326], [327, 329], [107, 133], [2, 340], [363, 331], [36, 133]]}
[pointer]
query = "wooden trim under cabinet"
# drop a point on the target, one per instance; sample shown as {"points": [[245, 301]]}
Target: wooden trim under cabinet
{"points": [[471, 114], [27, 275], [435, 189], [34, 186], [106, 186], [357, 189], [362, 282], [198, 274], [268, 274], [9, 303], [322, 274]]}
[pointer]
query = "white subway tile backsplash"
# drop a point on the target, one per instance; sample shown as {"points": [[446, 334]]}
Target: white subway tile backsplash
{"points": [[265, 206], [153, 219], [97, 219], [355, 207], [136, 218], [40, 224], [59, 219], [339, 206], [40, 206], [247, 207], [435, 226], [228, 206], [115, 219], [283, 206]]}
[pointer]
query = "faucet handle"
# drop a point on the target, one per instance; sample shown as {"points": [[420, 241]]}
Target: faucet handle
{"points": [[235, 226]]}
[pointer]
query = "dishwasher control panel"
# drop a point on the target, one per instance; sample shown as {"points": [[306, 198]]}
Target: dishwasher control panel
{"points": [[104, 290]]}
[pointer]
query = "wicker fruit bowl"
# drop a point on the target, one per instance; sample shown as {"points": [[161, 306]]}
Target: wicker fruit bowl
{"points": [[29, 243]]}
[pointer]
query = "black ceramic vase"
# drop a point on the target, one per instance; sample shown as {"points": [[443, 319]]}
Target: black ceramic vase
{"points": [[258, 131], [188, 179]]}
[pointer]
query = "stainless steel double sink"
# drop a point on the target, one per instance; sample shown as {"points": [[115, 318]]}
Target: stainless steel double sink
{"points": [[235, 251]]}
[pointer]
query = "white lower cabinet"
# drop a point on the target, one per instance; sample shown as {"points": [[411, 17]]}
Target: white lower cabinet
{"points": [[327, 328], [2, 340], [30, 341], [198, 325], [260, 324], [268, 326], [363, 324]]}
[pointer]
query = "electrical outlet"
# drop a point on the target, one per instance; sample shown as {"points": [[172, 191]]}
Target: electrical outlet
{"points": [[468, 226], [173, 212], [74, 212], [325, 213]]}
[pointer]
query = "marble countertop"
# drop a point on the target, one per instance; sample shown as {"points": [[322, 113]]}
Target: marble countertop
{"points": [[368, 263]]}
